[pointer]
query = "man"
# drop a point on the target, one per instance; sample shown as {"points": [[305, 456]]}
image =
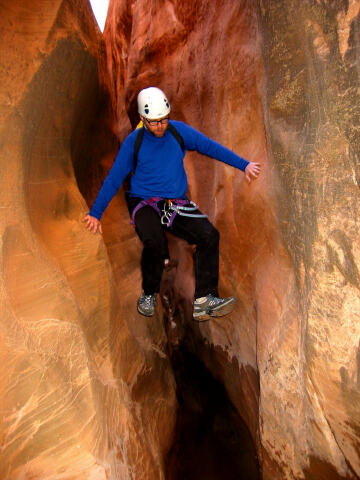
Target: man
{"points": [[157, 201]]}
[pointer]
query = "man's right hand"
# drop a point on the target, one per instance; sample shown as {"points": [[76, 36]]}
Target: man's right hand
{"points": [[252, 171], [92, 224]]}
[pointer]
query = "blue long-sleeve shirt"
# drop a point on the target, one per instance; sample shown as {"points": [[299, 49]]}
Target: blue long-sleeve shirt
{"points": [[160, 168]]}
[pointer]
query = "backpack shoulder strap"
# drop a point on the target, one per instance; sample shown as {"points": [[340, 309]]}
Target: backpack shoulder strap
{"points": [[137, 145], [177, 136]]}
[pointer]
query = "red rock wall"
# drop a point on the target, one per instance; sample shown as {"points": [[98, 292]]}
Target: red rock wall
{"points": [[311, 54], [74, 400], [259, 78], [86, 385]]}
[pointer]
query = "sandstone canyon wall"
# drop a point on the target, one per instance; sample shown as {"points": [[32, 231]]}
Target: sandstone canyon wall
{"points": [[311, 53], [73, 403], [278, 83], [87, 386]]}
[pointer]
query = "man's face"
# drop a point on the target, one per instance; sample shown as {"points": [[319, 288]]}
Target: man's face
{"points": [[156, 126]]}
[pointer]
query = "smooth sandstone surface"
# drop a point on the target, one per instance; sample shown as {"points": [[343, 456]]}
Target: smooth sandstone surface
{"points": [[74, 404], [87, 386]]}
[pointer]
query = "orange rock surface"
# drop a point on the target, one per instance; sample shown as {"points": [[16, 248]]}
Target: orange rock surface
{"points": [[259, 79], [87, 386], [73, 401]]}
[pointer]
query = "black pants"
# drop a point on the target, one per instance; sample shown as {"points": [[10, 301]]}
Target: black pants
{"points": [[196, 231]]}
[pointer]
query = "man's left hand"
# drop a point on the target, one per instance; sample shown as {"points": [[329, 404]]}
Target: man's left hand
{"points": [[252, 171]]}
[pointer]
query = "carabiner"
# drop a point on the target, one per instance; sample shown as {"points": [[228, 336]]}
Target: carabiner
{"points": [[165, 218]]}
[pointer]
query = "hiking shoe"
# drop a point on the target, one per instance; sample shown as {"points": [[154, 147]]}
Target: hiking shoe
{"points": [[146, 304], [213, 307]]}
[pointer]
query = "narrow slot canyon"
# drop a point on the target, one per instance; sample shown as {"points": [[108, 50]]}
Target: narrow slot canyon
{"points": [[90, 389]]}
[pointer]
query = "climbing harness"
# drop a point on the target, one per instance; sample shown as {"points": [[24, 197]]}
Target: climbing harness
{"points": [[152, 202], [184, 208], [168, 209]]}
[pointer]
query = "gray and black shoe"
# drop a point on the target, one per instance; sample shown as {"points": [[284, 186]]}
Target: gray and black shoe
{"points": [[213, 307], [146, 304]]}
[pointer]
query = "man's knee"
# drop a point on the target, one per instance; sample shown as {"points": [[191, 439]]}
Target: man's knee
{"points": [[210, 236], [157, 244], [149, 229]]}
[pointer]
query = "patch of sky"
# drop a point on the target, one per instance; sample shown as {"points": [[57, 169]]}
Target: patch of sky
{"points": [[100, 8]]}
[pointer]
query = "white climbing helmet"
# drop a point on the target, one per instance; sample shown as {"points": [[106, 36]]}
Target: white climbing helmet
{"points": [[152, 103]]}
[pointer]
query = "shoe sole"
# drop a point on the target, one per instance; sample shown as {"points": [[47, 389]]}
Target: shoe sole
{"points": [[223, 310], [201, 317], [145, 314]]}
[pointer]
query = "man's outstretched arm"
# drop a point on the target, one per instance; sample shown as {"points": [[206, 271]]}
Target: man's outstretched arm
{"points": [[195, 140]]}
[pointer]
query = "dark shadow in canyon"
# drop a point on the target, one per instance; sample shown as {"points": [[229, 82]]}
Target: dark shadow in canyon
{"points": [[211, 440]]}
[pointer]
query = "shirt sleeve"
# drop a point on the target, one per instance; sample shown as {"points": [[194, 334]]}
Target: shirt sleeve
{"points": [[195, 140], [122, 166]]}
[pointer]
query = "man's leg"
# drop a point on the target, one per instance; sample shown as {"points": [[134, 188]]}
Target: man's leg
{"points": [[203, 234], [200, 232], [155, 251]]}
